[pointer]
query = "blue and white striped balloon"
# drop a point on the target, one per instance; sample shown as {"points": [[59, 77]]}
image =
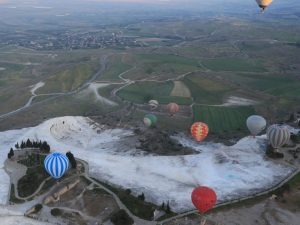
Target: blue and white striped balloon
{"points": [[56, 164]]}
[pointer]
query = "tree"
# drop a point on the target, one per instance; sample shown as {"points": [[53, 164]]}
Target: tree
{"points": [[72, 160], [142, 197], [38, 208], [11, 152], [45, 147], [121, 218], [168, 210], [23, 145], [17, 145], [162, 207], [28, 143]]}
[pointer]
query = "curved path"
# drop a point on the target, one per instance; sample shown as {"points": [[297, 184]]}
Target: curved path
{"points": [[103, 62]]}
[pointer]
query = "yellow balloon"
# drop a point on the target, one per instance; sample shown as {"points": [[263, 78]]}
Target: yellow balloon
{"points": [[264, 3]]}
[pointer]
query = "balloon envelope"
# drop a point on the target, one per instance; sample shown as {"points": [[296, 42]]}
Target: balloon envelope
{"points": [[278, 135], [264, 3], [56, 165], [199, 131], [256, 124], [204, 198], [173, 108], [153, 104], [150, 120]]}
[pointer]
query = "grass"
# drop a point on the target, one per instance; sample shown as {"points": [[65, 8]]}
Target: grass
{"points": [[114, 69], [274, 84], [142, 92], [205, 90], [29, 183], [67, 80], [12, 197], [161, 66], [233, 64], [223, 119], [138, 207]]}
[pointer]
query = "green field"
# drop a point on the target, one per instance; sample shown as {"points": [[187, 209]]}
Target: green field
{"points": [[161, 66], [223, 119], [67, 80], [115, 67], [142, 92], [205, 90], [274, 84], [233, 64]]}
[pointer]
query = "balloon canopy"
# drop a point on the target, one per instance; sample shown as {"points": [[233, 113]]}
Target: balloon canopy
{"points": [[278, 135], [56, 164], [153, 104], [173, 108], [256, 124], [199, 131], [204, 198], [150, 120], [263, 4]]}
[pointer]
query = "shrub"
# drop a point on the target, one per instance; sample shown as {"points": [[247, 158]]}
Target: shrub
{"points": [[121, 218], [56, 212]]}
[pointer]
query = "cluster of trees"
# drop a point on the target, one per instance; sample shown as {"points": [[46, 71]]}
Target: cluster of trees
{"points": [[71, 159], [121, 218], [43, 146], [166, 207]]}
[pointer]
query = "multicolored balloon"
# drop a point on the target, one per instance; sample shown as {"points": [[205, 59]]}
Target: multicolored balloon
{"points": [[256, 124], [204, 198], [56, 164], [150, 120], [153, 104], [173, 108], [199, 131], [278, 135], [263, 4]]}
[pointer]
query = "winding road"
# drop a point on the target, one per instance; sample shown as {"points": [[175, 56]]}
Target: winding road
{"points": [[103, 63]]}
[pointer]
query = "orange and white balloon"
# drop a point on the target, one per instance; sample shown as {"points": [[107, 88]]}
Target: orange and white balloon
{"points": [[199, 131]]}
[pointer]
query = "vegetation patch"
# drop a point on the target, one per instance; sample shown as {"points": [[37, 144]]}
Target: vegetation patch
{"points": [[67, 80], [233, 64], [205, 90], [136, 205], [29, 183], [222, 120]]}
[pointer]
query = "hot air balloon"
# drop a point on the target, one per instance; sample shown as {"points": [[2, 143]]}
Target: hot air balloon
{"points": [[150, 120], [173, 108], [204, 198], [153, 104], [56, 165], [263, 4], [199, 131], [256, 124], [278, 135]]}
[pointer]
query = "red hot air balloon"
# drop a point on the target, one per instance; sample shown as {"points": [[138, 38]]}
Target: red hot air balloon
{"points": [[173, 108], [204, 198], [199, 131]]}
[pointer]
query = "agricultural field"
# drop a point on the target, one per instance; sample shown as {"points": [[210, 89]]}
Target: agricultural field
{"points": [[116, 66], [233, 64], [142, 92], [222, 120], [206, 90]]}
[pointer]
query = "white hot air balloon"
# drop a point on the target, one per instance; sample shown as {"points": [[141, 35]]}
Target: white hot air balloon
{"points": [[278, 135], [256, 124], [153, 104], [263, 4]]}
